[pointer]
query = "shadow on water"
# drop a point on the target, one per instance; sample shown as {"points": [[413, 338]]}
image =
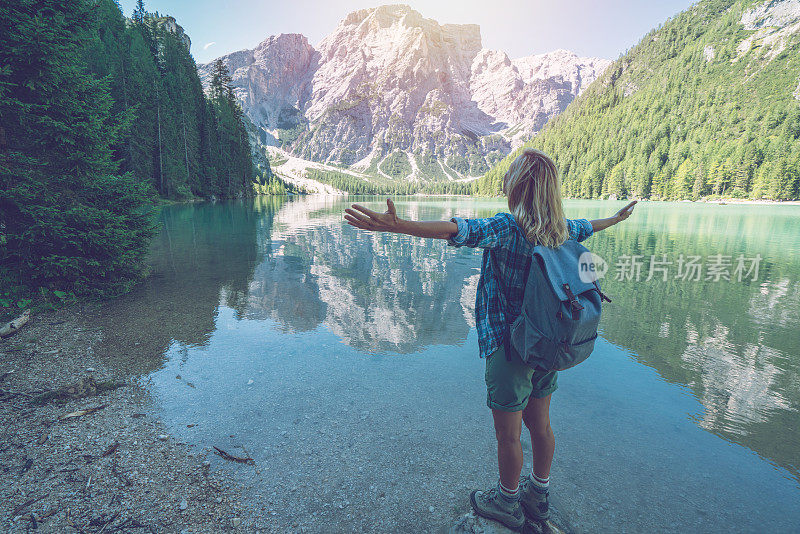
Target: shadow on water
{"points": [[203, 258], [283, 320]]}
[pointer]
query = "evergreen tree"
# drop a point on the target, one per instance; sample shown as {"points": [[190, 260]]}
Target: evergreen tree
{"points": [[233, 161], [71, 220], [139, 12], [154, 80], [98, 114]]}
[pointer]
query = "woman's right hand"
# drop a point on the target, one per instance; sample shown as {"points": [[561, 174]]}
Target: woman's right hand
{"points": [[366, 219], [625, 212]]}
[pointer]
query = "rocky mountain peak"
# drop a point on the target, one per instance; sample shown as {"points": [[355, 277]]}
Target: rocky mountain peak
{"points": [[386, 14], [403, 16], [400, 96], [171, 25], [398, 28]]}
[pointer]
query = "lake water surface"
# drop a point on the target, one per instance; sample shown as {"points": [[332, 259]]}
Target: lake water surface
{"points": [[346, 365]]}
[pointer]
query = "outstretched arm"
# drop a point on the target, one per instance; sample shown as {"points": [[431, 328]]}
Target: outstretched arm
{"points": [[621, 215], [366, 219]]}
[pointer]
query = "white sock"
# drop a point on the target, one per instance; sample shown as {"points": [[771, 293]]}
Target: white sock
{"points": [[509, 494], [540, 484]]}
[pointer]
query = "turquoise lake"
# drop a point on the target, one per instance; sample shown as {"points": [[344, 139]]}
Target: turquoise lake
{"points": [[346, 364]]}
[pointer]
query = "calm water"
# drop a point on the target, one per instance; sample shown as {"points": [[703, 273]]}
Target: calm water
{"points": [[346, 364]]}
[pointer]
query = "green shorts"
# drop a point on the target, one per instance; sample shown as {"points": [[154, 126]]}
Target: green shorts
{"points": [[509, 384]]}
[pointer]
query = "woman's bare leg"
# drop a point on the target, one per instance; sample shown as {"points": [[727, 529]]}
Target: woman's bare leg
{"points": [[507, 428], [537, 419]]}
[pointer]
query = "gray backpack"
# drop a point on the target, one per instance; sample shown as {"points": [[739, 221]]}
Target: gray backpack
{"points": [[557, 327]]}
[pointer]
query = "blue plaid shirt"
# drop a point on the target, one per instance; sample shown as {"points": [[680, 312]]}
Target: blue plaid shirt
{"points": [[504, 243]]}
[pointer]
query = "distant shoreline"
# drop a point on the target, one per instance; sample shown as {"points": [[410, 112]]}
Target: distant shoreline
{"points": [[743, 201], [724, 201], [721, 201]]}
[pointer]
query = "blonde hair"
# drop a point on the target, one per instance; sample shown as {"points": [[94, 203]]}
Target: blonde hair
{"points": [[533, 187]]}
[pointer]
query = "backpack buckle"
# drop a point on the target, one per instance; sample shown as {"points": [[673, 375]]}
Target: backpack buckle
{"points": [[575, 306], [603, 296]]}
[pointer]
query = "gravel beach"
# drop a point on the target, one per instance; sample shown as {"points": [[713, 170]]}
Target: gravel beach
{"points": [[88, 460]]}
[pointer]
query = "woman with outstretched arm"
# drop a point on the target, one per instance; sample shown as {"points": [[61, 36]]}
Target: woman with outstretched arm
{"points": [[516, 393]]}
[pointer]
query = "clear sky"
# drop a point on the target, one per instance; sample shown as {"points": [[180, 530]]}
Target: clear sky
{"points": [[604, 28]]}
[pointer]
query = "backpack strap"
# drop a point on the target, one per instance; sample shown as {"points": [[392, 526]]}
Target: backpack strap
{"points": [[574, 306], [603, 296]]}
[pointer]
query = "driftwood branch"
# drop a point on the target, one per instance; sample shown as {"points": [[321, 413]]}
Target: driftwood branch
{"points": [[13, 327], [7, 395], [242, 460], [111, 449], [121, 476], [79, 413], [85, 387], [71, 523], [27, 503], [113, 518]]}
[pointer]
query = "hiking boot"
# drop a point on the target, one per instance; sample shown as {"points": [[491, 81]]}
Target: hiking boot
{"points": [[534, 502], [492, 505]]}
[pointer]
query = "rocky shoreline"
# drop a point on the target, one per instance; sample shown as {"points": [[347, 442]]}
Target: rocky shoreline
{"points": [[81, 458]]}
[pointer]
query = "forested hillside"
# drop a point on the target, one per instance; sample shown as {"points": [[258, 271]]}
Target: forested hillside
{"points": [[184, 142], [705, 105], [99, 115]]}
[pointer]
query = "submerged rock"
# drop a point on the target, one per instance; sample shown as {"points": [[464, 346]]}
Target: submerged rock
{"points": [[470, 523]]}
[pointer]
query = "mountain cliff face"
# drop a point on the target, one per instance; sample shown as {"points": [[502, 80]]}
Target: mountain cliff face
{"points": [[171, 25], [392, 93], [272, 81]]}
